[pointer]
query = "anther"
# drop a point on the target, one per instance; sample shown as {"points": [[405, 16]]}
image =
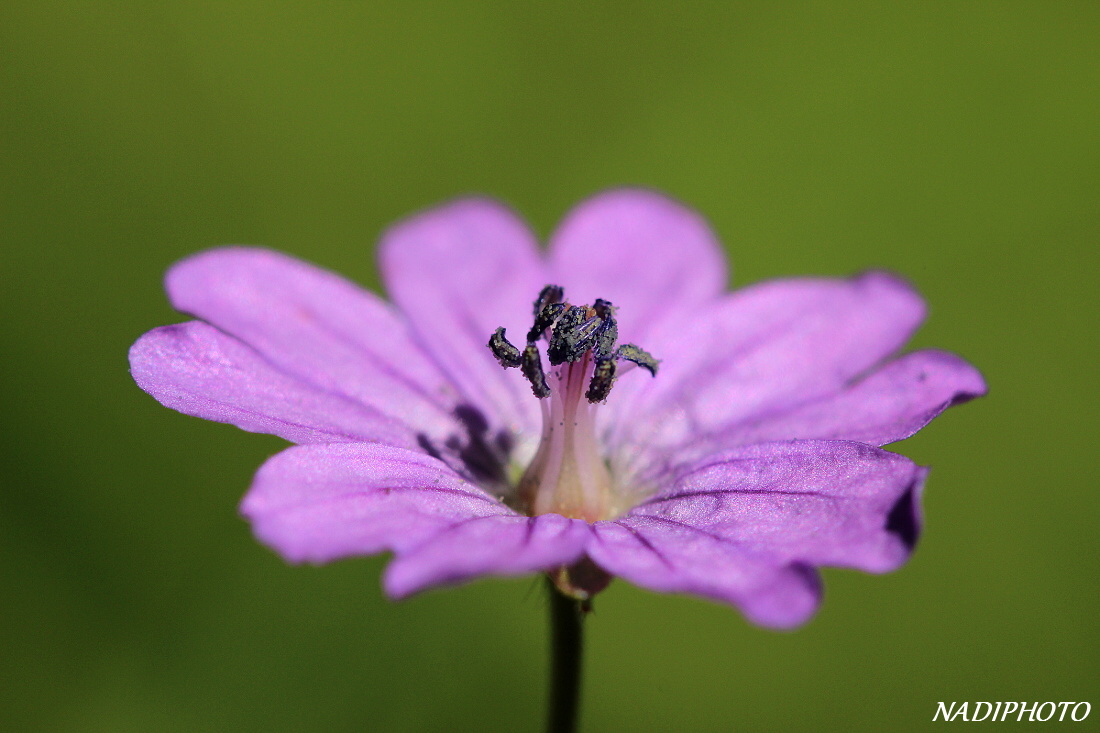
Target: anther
{"points": [[608, 332], [572, 335], [544, 319], [603, 376], [639, 356], [532, 369], [547, 296], [507, 354]]}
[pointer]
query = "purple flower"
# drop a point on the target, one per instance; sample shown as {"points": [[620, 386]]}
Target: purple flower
{"points": [[751, 457]]}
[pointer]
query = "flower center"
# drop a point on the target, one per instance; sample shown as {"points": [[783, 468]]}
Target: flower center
{"points": [[568, 474]]}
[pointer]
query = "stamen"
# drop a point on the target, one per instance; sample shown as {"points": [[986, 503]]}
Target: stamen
{"points": [[503, 350], [639, 356], [547, 296], [603, 376], [572, 333], [532, 369], [568, 474], [544, 319], [608, 332], [572, 336]]}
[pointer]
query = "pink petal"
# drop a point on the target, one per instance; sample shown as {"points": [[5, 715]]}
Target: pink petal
{"points": [[671, 558], [200, 371], [495, 545], [317, 327], [890, 404], [809, 501], [649, 255], [747, 528], [459, 272], [766, 348], [322, 502]]}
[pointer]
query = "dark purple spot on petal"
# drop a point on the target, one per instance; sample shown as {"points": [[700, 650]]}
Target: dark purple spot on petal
{"points": [[961, 398], [472, 419], [902, 519], [473, 452], [811, 577]]}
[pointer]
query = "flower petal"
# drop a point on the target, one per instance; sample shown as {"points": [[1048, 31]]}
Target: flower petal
{"points": [[322, 502], [674, 558], [319, 503], [494, 545], [319, 328], [651, 256], [748, 528], [459, 272], [765, 348], [198, 370], [890, 404], [817, 502]]}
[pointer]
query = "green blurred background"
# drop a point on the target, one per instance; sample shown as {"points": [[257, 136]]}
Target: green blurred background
{"points": [[955, 143]]}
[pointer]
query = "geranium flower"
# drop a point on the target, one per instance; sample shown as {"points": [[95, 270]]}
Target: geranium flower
{"points": [[748, 460]]}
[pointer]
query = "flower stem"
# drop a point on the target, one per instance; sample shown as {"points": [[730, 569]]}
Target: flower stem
{"points": [[566, 652]]}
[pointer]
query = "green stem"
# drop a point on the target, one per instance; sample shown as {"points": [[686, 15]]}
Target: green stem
{"points": [[566, 651]]}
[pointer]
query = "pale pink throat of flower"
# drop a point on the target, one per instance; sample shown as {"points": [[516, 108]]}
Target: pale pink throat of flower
{"points": [[568, 474]]}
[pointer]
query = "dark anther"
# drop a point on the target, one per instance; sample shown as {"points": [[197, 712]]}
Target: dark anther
{"points": [[572, 335], [544, 319], [639, 356], [608, 332], [603, 376], [547, 296], [532, 369], [507, 354]]}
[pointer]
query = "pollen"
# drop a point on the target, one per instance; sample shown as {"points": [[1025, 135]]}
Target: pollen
{"points": [[573, 333]]}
